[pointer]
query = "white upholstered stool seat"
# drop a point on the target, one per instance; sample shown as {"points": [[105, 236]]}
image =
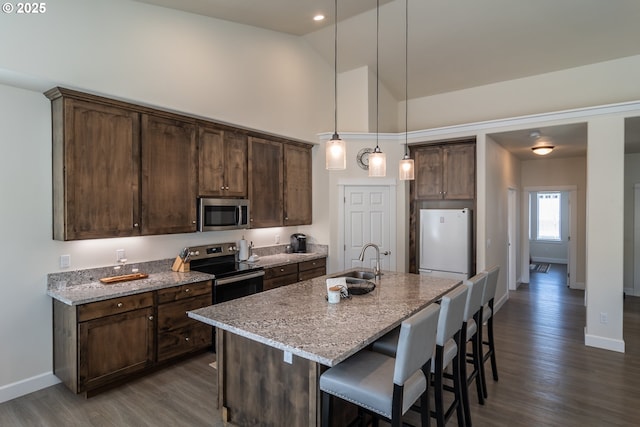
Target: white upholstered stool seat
{"points": [[382, 385]]}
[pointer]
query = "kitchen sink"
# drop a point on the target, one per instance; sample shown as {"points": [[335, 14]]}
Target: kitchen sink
{"points": [[367, 275]]}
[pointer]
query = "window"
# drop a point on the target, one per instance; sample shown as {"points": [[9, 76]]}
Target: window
{"points": [[548, 216]]}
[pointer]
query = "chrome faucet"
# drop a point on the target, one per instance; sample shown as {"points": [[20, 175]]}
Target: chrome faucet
{"points": [[376, 271]]}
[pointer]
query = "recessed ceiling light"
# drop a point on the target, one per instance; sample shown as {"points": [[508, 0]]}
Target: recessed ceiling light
{"points": [[318, 17]]}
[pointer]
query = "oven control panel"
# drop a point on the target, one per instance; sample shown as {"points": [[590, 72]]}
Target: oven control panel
{"points": [[212, 250]]}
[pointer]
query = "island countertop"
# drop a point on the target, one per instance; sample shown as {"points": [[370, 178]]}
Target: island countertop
{"points": [[298, 319]]}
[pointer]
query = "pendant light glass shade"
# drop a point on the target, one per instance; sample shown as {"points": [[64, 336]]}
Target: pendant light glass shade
{"points": [[335, 151], [377, 163], [406, 169], [335, 154], [406, 164]]}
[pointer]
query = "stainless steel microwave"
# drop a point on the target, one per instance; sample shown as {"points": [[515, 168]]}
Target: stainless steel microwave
{"points": [[222, 214]]}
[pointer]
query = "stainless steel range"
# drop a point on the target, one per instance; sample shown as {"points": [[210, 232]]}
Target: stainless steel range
{"points": [[233, 279]]}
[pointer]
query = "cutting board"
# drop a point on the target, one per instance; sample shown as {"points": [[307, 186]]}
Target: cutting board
{"points": [[124, 278]]}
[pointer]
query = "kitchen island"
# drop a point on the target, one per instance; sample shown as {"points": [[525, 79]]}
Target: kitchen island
{"points": [[273, 346]]}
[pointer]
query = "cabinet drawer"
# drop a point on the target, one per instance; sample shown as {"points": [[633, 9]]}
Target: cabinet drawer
{"points": [[174, 315], [282, 270], [184, 291], [310, 274], [184, 340], [312, 264], [112, 306], [276, 282]]}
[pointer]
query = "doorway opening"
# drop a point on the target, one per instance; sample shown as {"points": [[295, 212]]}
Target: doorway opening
{"points": [[544, 241]]}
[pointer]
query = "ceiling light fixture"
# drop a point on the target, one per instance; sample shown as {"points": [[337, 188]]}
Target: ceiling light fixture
{"points": [[406, 164], [377, 159], [318, 17], [335, 151], [542, 146]]}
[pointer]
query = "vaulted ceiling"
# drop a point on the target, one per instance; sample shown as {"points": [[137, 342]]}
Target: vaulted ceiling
{"points": [[453, 44]]}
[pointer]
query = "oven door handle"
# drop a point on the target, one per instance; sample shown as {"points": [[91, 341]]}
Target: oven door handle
{"points": [[239, 278]]}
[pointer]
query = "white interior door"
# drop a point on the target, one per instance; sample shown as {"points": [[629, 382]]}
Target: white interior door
{"points": [[367, 219]]}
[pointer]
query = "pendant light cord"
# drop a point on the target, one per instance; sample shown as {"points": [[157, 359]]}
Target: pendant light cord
{"points": [[335, 71], [406, 79], [377, 72]]}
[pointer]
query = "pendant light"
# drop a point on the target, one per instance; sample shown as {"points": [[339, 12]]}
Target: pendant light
{"points": [[406, 164], [335, 151], [377, 159]]}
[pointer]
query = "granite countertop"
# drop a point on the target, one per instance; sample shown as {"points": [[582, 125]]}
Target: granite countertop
{"points": [[298, 319], [84, 286], [276, 260]]}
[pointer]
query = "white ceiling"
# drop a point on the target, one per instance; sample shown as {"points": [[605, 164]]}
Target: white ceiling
{"points": [[453, 44]]}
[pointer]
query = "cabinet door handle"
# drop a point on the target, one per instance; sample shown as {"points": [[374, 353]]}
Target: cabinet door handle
{"points": [[186, 290], [282, 270], [222, 187], [186, 339], [119, 305], [226, 188], [135, 225], [150, 317]]}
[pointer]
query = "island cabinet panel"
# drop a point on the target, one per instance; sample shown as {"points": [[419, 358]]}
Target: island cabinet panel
{"points": [[222, 163], [260, 388], [95, 170], [265, 183], [297, 185], [169, 175]]}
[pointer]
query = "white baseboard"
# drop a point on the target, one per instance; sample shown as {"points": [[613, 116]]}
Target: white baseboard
{"points": [[630, 291], [604, 343], [26, 386], [499, 303], [550, 260], [579, 285]]}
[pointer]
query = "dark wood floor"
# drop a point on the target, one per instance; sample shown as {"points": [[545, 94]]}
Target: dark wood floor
{"points": [[547, 376]]}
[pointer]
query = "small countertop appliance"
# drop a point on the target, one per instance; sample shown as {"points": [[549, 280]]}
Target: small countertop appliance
{"points": [[298, 243]]}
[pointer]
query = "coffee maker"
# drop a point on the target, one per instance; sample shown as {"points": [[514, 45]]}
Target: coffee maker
{"points": [[298, 243]]}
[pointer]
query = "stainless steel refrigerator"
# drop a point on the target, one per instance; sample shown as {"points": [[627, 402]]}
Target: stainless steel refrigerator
{"points": [[445, 243]]}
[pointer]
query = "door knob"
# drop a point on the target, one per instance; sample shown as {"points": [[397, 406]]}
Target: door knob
{"points": [[386, 253]]}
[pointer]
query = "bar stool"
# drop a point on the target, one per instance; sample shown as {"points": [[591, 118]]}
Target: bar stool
{"points": [[447, 354], [469, 334], [487, 319], [386, 386]]}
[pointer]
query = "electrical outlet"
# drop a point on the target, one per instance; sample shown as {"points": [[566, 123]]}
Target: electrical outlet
{"points": [[277, 239], [604, 319], [120, 255], [65, 261]]}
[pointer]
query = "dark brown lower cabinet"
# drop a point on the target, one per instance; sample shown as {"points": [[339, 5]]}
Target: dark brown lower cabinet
{"points": [[99, 344], [287, 274], [114, 346]]}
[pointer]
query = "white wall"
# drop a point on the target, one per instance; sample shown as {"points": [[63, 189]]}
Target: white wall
{"points": [[597, 84], [604, 256]]}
